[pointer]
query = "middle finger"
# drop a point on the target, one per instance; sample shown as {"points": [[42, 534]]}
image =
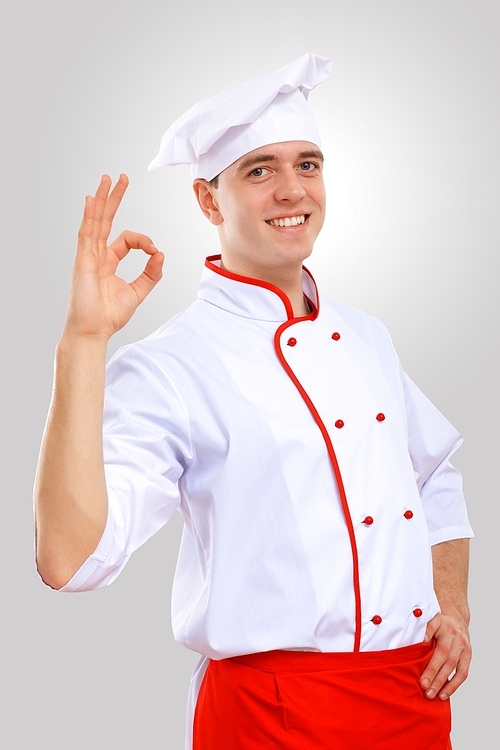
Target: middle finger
{"points": [[100, 198]]}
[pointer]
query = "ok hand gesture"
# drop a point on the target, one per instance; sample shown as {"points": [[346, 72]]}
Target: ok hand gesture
{"points": [[100, 302]]}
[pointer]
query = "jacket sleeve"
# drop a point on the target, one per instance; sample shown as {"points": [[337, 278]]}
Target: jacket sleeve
{"points": [[431, 441], [147, 448]]}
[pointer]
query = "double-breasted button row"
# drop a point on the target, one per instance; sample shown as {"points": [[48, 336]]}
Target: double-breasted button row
{"points": [[368, 520], [293, 341], [377, 619], [380, 417], [340, 422]]}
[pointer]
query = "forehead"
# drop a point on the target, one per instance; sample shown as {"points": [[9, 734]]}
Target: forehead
{"points": [[275, 152]]}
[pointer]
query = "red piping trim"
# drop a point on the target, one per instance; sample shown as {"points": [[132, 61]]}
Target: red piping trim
{"points": [[333, 458], [265, 285], [338, 477]]}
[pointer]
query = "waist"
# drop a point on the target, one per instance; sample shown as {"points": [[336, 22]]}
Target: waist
{"points": [[331, 661]]}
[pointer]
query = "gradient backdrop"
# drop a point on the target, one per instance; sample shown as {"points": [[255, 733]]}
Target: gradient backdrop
{"points": [[410, 117]]}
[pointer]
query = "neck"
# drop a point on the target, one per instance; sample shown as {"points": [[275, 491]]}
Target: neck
{"points": [[289, 280]]}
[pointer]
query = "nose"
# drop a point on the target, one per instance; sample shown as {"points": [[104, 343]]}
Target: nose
{"points": [[289, 186]]}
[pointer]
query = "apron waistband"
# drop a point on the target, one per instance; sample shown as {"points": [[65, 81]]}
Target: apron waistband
{"points": [[320, 661]]}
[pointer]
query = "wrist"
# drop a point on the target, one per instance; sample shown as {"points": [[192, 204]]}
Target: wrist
{"points": [[72, 341], [459, 612]]}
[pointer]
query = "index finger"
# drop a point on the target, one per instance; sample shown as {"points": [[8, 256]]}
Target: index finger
{"points": [[128, 240]]}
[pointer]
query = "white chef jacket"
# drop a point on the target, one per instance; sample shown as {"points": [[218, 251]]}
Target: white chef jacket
{"points": [[312, 475]]}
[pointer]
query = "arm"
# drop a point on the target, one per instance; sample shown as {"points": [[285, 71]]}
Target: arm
{"points": [[450, 628], [70, 492]]}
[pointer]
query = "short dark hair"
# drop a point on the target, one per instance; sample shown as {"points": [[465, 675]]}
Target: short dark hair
{"points": [[215, 181]]}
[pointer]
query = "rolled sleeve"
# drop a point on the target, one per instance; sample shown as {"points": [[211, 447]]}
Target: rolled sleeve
{"points": [[146, 445], [432, 440], [97, 570]]}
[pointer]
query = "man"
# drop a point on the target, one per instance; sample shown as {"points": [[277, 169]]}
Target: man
{"points": [[322, 573]]}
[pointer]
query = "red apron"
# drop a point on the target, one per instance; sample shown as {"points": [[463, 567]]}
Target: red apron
{"points": [[296, 700]]}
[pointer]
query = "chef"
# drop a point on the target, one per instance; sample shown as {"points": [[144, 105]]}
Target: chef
{"points": [[322, 572]]}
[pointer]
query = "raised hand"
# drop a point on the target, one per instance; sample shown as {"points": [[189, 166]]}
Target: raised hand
{"points": [[70, 490], [100, 302]]}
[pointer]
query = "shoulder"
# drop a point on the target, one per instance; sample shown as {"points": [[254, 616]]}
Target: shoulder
{"points": [[366, 326], [157, 351]]}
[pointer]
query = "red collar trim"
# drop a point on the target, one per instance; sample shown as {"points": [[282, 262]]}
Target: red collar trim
{"points": [[209, 263]]}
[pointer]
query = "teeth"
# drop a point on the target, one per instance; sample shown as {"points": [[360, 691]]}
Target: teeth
{"points": [[288, 222]]}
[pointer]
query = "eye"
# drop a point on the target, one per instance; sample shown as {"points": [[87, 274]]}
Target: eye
{"points": [[258, 172], [308, 166]]}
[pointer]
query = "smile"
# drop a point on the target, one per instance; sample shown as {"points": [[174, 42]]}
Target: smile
{"points": [[289, 221]]}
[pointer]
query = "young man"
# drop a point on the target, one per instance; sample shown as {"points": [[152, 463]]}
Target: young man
{"points": [[322, 573]]}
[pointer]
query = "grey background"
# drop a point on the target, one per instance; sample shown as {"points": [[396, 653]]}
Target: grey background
{"points": [[410, 117]]}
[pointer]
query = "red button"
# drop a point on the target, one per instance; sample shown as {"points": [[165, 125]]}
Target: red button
{"points": [[408, 514], [335, 336], [368, 520], [380, 417], [418, 612], [291, 342], [339, 423], [376, 620]]}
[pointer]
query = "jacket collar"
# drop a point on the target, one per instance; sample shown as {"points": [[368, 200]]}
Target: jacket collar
{"points": [[252, 298]]}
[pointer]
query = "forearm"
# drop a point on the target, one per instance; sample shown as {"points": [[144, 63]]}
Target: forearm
{"points": [[70, 489], [449, 664], [451, 571]]}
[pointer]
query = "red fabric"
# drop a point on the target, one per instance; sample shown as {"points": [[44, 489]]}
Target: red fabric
{"points": [[295, 700]]}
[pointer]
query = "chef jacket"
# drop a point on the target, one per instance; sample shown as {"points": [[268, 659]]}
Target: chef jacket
{"points": [[312, 475]]}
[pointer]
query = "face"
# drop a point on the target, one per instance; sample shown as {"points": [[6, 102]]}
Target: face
{"points": [[269, 207]]}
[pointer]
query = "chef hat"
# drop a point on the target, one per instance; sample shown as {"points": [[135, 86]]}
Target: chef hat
{"points": [[270, 108]]}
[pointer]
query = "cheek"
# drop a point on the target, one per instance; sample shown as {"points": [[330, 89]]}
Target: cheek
{"points": [[232, 213], [243, 218], [321, 196]]}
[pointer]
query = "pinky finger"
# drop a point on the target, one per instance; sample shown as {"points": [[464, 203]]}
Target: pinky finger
{"points": [[454, 682]]}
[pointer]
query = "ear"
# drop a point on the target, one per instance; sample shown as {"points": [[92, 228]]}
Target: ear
{"points": [[205, 194]]}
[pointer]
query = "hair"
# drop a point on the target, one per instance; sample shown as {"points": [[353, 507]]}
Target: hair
{"points": [[215, 181]]}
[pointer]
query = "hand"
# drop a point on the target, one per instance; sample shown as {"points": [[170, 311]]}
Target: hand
{"points": [[100, 302], [452, 654]]}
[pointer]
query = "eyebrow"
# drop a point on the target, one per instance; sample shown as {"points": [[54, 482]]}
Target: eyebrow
{"points": [[310, 154], [255, 160]]}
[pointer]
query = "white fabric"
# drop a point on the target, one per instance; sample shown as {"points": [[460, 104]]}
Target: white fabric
{"points": [[223, 127], [202, 417]]}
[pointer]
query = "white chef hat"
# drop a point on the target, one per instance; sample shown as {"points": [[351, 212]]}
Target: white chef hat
{"points": [[270, 108]]}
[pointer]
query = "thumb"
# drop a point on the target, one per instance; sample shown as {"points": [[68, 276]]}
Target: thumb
{"points": [[432, 628], [148, 279]]}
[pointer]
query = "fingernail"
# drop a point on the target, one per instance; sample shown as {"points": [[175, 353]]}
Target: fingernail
{"points": [[430, 693], [425, 682], [443, 696]]}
